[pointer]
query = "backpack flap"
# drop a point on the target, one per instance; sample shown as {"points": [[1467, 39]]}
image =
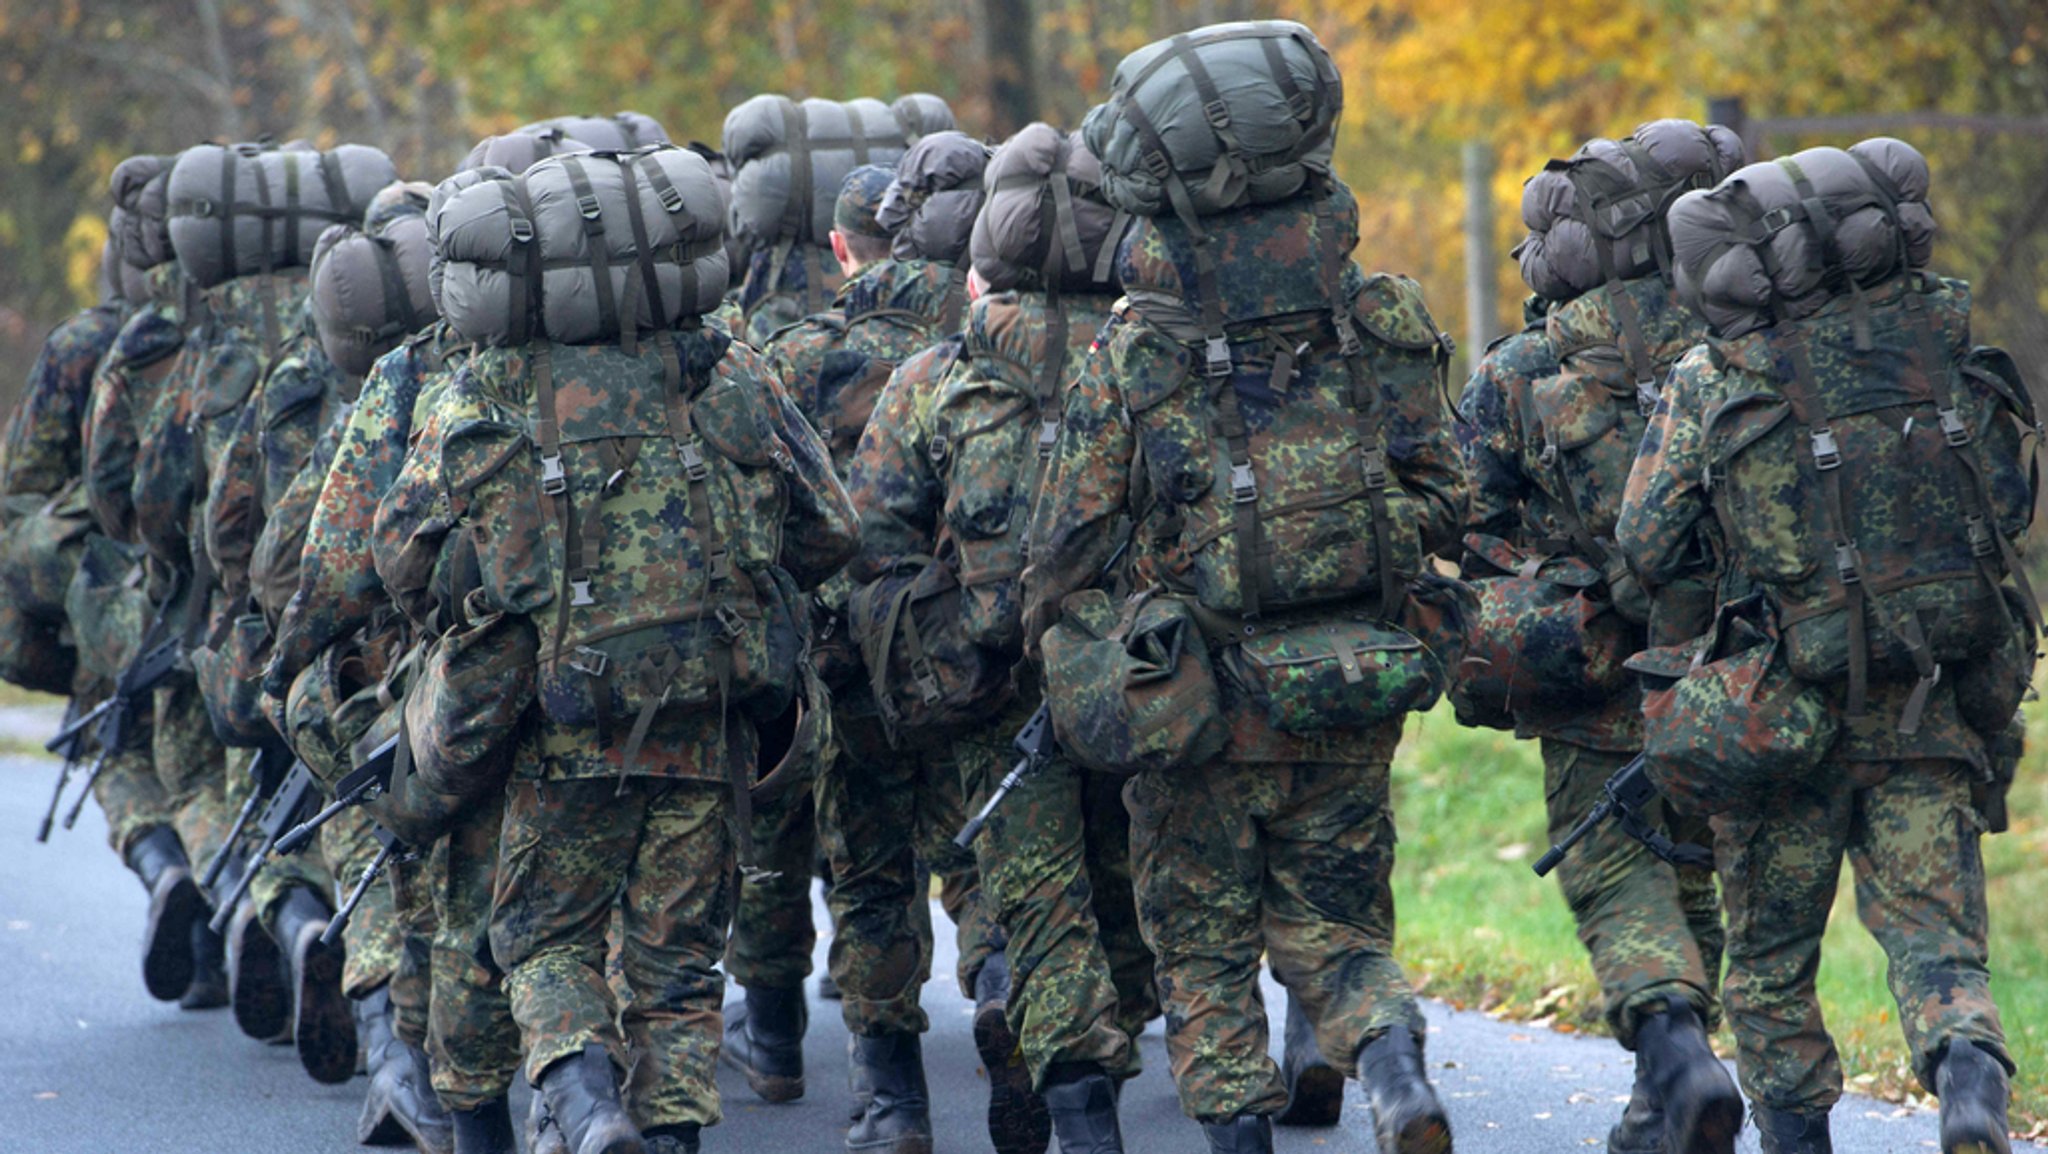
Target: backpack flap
{"points": [[1130, 687], [1544, 640], [1334, 674]]}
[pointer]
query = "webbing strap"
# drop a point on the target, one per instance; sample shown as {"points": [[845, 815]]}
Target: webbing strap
{"points": [[1244, 500], [230, 162], [796, 215], [1804, 397], [1368, 407], [643, 252], [554, 481], [291, 206], [266, 290], [1635, 348], [1215, 345], [588, 208], [395, 291], [529, 316]]}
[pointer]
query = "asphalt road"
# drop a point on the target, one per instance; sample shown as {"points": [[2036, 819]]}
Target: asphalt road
{"points": [[89, 1063]]}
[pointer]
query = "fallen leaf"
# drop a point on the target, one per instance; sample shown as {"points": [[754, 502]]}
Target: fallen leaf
{"points": [[1513, 851]]}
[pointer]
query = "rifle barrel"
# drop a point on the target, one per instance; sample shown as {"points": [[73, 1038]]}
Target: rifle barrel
{"points": [[219, 864], [339, 921], [1558, 852], [78, 803], [56, 799], [219, 924], [294, 839]]}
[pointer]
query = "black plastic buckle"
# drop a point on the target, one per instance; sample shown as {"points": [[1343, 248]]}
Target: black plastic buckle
{"points": [[1847, 565], [1982, 543], [927, 681], [522, 230], [693, 462], [1218, 114], [730, 621], [1048, 436], [940, 448], [587, 207], [1375, 468], [671, 200]]}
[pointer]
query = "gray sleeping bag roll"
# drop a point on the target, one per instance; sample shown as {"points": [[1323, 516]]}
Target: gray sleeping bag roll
{"points": [[139, 186], [442, 194], [1780, 239], [790, 158], [556, 254], [238, 210], [1599, 216], [619, 132], [370, 292], [921, 114], [1219, 118], [929, 209], [1045, 223], [519, 151]]}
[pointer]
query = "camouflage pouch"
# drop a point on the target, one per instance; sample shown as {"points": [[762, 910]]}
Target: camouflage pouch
{"points": [[230, 678], [1726, 727], [1324, 674], [409, 807], [1130, 687], [40, 548], [33, 654], [474, 685], [107, 606], [1543, 641], [1989, 689], [795, 746], [308, 721], [924, 673]]}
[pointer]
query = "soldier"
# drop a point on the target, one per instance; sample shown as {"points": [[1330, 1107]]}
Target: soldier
{"points": [[948, 467], [884, 814], [1545, 490], [1867, 483], [617, 800]]}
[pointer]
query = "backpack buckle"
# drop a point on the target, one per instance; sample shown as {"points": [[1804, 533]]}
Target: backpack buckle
{"points": [[693, 461], [1048, 436], [1375, 467], [730, 622], [1301, 106], [1772, 223], [1216, 356], [941, 447], [593, 662], [587, 207], [553, 481], [615, 482], [1218, 114], [1982, 543], [1846, 564], [579, 593], [720, 565], [1244, 487], [1952, 427], [671, 200], [1157, 164], [926, 680], [1647, 396], [1826, 453], [522, 230]]}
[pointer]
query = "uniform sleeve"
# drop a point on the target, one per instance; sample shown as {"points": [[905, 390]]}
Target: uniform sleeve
{"points": [[1422, 451], [1488, 445], [1080, 517], [234, 509], [42, 452], [413, 519], [111, 436], [1667, 498], [894, 485], [821, 531]]}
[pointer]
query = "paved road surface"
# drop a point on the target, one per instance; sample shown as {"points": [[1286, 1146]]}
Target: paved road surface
{"points": [[89, 1063]]}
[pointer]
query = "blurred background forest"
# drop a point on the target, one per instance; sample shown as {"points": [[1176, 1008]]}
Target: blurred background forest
{"points": [[1438, 91]]}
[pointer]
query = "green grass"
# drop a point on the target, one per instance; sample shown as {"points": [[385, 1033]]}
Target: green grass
{"points": [[1480, 930], [11, 695]]}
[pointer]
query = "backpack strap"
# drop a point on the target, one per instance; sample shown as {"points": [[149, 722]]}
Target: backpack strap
{"points": [[1244, 497], [587, 207], [1803, 395], [395, 294]]}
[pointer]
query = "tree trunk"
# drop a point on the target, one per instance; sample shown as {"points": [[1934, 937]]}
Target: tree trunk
{"points": [[1009, 36]]}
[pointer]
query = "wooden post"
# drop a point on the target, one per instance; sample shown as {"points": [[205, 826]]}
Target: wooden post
{"points": [[1482, 300], [1729, 112]]}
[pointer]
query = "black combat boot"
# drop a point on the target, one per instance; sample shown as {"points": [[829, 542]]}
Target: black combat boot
{"points": [[1973, 1091], [1082, 1101], [1017, 1118], [158, 859], [259, 989], [898, 1119], [583, 1096], [764, 1039], [1315, 1089], [400, 1108], [1244, 1134], [1641, 1129], [680, 1138], [1702, 1107], [323, 1024], [486, 1129], [1406, 1117], [1793, 1132], [860, 1087], [209, 988]]}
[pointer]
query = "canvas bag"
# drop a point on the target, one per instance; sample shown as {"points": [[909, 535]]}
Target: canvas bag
{"points": [[1546, 638], [1129, 686]]}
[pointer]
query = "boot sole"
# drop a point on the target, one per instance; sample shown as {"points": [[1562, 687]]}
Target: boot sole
{"points": [[1429, 1134], [1018, 1121], [380, 1125], [257, 987], [1317, 1098], [209, 993], [775, 1089], [323, 1028], [905, 1144], [167, 965]]}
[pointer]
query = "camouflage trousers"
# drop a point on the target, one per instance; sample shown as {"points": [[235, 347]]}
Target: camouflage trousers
{"points": [[569, 851], [1236, 859], [191, 766], [1652, 931], [410, 884], [280, 872], [773, 933], [887, 818], [1910, 833], [131, 797], [472, 1041], [375, 938], [1055, 868]]}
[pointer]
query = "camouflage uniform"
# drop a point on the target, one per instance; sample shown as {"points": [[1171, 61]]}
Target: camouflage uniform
{"points": [[1283, 845], [785, 284], [465, 1025], [1652, 931], [885, 815], [1901, 810], [584, 831], [1054, 861]]}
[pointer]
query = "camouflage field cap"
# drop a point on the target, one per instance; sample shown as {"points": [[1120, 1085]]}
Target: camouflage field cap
{"points": [[859, 198]]}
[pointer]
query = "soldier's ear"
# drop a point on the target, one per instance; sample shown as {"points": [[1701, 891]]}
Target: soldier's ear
{"points": [[842, 253]]}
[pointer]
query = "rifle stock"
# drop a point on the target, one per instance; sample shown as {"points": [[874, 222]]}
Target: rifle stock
{"points": [[1625, 798], [1035, 742]]}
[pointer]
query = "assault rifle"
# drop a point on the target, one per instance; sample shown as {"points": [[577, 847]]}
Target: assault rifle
{"points": [[1035, 742], [109, 723], [1625, 796], [267, 772], [298, 791], [361, 784], [391, 849]]}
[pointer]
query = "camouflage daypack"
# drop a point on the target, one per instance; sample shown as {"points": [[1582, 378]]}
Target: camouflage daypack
{"points": [[1869, 470], [631, 502]]}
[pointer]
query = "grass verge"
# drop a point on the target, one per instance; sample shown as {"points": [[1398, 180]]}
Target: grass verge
{"points": [[1479, 929]]}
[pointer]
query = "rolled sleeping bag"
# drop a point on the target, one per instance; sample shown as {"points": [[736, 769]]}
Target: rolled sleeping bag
{"points": [[1599, 215], [1028, 226], [552, 254], [790, 158], [930, 207], [519, 151], [238, 210], [1778, 240], [921, 114], [370, 290], [442, 193], [619, 132], [140, 186]]}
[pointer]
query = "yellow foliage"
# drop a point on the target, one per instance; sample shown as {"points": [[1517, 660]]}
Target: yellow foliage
{"points": [[84, 242]]}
